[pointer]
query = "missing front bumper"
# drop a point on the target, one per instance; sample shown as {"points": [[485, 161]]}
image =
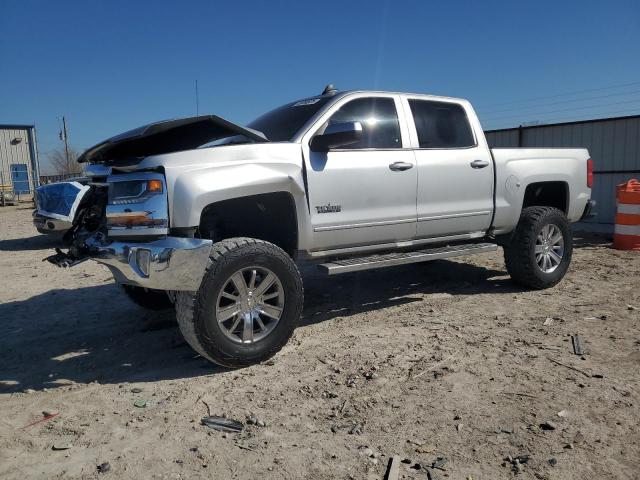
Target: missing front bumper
{"points": [[171, 263]]}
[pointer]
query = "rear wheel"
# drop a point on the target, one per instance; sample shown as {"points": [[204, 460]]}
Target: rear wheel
{"points": [[247, 306], [148, 298], [539, 254]]}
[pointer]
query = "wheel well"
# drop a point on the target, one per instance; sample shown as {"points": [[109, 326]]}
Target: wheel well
{"points": [[270, 217], [547, 194]]}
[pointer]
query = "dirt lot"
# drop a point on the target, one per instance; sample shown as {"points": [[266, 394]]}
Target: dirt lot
{"points": [[445, 359]]}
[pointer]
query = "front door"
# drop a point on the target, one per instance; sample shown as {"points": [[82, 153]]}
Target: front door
{"points": [[365, 193], [20, 178], [455, 171]]}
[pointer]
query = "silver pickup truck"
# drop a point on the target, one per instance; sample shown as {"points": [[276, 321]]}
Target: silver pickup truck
{"points": [[212, 218]]}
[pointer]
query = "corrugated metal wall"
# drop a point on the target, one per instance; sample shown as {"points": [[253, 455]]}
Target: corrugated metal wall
{"points": [[15, 148], [614, 145]]}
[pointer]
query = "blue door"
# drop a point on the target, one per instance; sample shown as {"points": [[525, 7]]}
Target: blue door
{"points": [[20, 178]]}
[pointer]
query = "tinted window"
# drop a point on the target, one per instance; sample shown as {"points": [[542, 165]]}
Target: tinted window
{"points": [[281, 124], [441, 125], [379, 120]]}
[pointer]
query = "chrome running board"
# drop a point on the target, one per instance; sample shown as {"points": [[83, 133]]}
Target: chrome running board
{"points": [[355, 264]]}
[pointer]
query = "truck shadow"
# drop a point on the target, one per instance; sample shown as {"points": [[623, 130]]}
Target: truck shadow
{"points": [[352, 293], [36, 242], [90, 334], [96, 334]]}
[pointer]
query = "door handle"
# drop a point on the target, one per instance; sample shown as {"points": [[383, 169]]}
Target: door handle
{"points": [[479, 164], [400, 166]]}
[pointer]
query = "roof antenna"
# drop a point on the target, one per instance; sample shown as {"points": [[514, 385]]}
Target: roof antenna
{"points": [[197, 101], [330, 90]]}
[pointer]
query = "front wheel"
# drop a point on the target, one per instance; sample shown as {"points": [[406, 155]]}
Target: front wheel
{"points": [[148, 298], [539, 254], [247, 306]]}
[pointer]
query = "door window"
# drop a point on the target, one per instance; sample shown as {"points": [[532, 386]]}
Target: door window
{"points": [[441, 124], [379, 120]]}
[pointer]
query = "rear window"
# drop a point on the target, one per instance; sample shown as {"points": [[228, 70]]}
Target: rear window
{"points": [[441, 124]]}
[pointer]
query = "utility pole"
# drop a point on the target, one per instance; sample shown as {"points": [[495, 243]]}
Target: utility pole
{"points": [[64, 137]]}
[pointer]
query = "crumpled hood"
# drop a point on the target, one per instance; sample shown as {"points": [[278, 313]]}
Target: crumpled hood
{"points": [[166, 137]]}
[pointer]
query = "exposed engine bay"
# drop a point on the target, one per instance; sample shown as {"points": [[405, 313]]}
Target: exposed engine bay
{"points": [[89, 220]]}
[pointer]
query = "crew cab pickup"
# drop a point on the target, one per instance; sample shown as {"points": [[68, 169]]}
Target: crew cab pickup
{"points": [[213, 218]]}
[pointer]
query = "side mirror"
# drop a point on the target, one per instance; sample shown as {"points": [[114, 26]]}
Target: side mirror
{"points": [[337, 135]]}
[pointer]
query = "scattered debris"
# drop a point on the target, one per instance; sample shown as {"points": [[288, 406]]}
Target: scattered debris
{"points": [[222, 424], [569, 367], [46, 416], [563, 413], [64, 446], [631, 307], [548, 321], [140, 403], [439, 463], [549, 425], [371, 375], [578, 348], [251, 420], [517, 463], [356, 429], [553, 462], [393, 473], [459, 426], [624, 393], [434, 366], [208, 408], [136, 390], [519, 394], [104, 467]]}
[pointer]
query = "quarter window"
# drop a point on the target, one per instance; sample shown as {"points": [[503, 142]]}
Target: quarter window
{"points": [[379, 120], [441, 125]]}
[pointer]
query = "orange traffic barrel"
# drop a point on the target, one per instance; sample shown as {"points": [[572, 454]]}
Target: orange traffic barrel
{"points": [[627, 231]]}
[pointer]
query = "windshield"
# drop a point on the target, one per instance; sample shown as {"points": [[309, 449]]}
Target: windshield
{"points": [[282, 123]]}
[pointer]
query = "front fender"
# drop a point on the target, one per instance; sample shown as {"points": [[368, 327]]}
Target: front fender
{"points": [[193, 190]]}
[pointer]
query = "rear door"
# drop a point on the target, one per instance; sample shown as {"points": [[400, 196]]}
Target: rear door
{"points": [[455, 169], [363, 194]]}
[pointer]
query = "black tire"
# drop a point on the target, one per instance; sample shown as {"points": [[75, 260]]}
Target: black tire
{"points": [[519, 253], [148, 298], [196, 311]]}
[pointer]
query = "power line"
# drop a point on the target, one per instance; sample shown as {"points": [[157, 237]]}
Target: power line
{"points": [[565, 94], [564, 118], [562, 102], [625, 102]]}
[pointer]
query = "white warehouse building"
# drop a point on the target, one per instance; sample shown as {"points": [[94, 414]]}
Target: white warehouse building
{"points": [[19, 168]]}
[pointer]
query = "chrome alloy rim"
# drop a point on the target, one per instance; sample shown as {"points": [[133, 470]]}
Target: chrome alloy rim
{"points": [[549, 248], [250, 304]]}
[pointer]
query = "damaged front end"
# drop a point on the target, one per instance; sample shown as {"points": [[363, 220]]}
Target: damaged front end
{"points": [[122, 221]]}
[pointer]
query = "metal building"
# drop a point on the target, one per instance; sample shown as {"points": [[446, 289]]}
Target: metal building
{"points": [[19, 167], [614, 145]]}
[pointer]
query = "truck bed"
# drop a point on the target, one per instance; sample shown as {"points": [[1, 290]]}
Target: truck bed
{"points": [[519, 168]]}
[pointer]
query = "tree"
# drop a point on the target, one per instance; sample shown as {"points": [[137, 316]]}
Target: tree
{"points": [[58, 160]]}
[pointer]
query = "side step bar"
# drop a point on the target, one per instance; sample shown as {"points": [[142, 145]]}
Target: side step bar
{"points": [[355, 264]]}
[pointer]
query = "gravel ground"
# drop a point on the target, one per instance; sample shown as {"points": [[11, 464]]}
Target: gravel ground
{"points": [[445, 363]]}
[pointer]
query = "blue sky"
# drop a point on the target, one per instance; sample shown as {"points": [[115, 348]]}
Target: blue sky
{"points": [[109, 66]]}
